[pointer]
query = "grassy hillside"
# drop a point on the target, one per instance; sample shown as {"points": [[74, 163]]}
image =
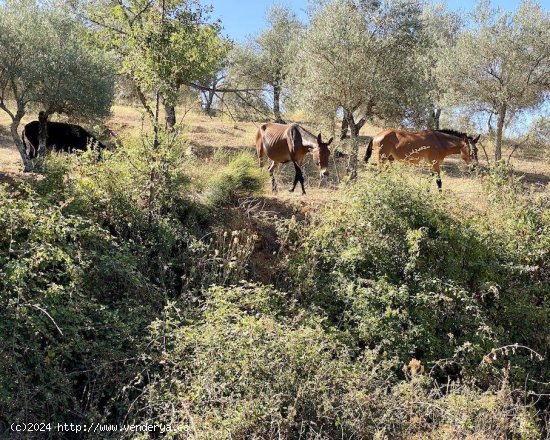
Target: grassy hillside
{"points": [[206, 135]]}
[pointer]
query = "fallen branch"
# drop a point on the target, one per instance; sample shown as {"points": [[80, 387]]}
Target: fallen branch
{"points": [[515, 148]]}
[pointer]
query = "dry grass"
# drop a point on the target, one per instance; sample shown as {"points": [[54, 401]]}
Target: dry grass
{"points": [[208, 134]]}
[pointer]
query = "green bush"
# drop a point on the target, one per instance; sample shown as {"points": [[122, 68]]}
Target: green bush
{"points": [[241, 175], [252, 365], [73, 308], [88, 257], [123, 298], [403, 269]]}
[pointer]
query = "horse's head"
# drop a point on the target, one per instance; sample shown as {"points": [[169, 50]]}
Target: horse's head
{"points": [[468, 152], [321, 154]]}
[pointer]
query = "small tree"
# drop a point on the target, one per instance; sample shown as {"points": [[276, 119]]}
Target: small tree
{"points": [[20, 44], [501, 64], [210, 84], [266, 61], [356, 58], [44, 63], [161, 45], [77, 79]]}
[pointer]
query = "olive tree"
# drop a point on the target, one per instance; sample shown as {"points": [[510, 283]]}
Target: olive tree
{"points": [[20, 42], [501, 64], [46, 64], [441, 29], [357, 58], [263, 64]]}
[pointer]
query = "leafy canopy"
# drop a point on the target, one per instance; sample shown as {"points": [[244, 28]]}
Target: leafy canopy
{"points": [[160, 45]]}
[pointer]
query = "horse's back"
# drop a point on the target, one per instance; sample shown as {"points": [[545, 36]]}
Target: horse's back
{"points": [[406, 145], [274, 139], [61, 136]]}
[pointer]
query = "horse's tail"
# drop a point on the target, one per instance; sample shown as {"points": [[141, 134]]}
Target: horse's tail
{"points": [[368, 153], [259, 147], [31, 151]]}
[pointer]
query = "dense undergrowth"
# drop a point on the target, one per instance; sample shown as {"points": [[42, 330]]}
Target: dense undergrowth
{"points": [[397, 313]]}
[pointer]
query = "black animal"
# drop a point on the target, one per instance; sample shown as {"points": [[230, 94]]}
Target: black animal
{"points": [[61, 137]]}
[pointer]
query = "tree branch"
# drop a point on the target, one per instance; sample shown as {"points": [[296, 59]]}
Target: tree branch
{"points": [[221, 90]]}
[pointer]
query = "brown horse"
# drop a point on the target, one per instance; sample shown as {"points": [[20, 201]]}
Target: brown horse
{"points": [[431, 146], [290, 143]]}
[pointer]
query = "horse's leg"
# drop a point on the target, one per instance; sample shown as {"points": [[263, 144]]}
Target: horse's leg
{"points": [[437, 170], [298, 177], [368, 152], [301, 177], [296, 171], [271, 170], [260, 149]]}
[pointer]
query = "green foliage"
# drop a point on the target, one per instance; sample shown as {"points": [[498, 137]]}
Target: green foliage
{"points": [[121, 297], [248, 370], [160, 45], [359, 57], [88, 258], [263, 65], [402, 269], [77, 79], [240, 175], [253, 365], [46, 62], [73, 309], [501, 63]]}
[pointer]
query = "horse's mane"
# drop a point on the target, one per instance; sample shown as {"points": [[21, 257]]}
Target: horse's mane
{"points": [[453, 132]]}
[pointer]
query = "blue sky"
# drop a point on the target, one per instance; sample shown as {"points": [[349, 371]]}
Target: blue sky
{"points": [[246, 17]]}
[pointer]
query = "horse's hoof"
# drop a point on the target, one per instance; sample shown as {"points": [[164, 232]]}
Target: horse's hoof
{"points": [[290, 190]]}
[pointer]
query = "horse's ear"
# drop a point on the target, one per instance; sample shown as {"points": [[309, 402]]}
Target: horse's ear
{"points": [[319, 138], [330, 141], [476, 139]]}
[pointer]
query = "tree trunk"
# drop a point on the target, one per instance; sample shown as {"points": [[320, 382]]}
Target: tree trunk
{"points": [[277, 103], [349, 122], [156, 122], [42, 133], [358, 125], [344, 130], [209, 99], [500, 128], [170, 115], [352, 166], [27, 164], [435, 116]]}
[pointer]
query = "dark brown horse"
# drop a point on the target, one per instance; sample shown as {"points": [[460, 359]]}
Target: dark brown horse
{"points": [[290, 143], [431, 146], [61, 137]]}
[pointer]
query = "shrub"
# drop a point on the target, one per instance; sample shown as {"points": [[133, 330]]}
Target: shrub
{"points": [[74, 307], [252, 365], [241, 175], [247, 369], [405, 270]]}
